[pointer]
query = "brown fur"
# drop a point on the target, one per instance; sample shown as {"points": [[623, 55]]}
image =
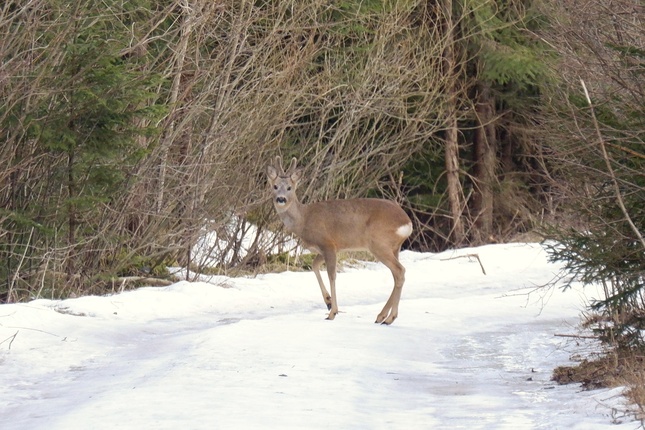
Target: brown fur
{"points": [[376, 225]]}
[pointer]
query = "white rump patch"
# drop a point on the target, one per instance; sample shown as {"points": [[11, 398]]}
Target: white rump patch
{"points": [[405, 230]]}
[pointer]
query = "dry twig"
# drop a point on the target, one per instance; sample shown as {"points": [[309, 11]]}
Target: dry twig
{"points": [[468, 256]]}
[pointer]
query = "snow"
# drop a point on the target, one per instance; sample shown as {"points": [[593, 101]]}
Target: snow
{"points": [[468, 351], [214, 247]]}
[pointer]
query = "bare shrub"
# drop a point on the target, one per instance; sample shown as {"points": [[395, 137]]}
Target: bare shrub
{"points": [[217, 89]]}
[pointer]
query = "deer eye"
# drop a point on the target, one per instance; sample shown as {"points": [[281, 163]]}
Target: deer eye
{"points": [[288, 188]]}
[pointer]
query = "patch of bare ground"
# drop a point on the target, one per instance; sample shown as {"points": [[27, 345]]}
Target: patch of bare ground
{"points": [[615, 368]]}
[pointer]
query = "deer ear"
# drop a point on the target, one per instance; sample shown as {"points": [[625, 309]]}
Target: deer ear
{"points": [[272, 173], [296, 176]]}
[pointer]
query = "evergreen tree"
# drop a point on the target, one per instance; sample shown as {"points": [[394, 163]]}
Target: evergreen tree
{"points": [[85, 123], [490, 177], [603, 163]]}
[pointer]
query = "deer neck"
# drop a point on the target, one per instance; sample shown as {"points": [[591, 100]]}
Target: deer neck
{"points": [[293, 217]]}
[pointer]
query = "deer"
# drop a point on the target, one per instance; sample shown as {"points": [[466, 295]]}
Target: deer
{"points": [[327, 227]]}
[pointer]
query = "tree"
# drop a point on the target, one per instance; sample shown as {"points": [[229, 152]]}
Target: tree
{"points": [[452, 66], [94, 196], [598, 141], [73, 139], [492, 167]]}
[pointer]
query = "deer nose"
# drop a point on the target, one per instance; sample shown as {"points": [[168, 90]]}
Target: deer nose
{"points": [[281, 200]]}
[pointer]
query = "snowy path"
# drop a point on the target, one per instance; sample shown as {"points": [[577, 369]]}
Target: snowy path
{"points": [[468, 352]]}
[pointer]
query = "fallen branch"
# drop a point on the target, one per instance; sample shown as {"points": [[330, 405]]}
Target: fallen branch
{"points": [[155, 282], [10, 341], [577, 336], [468, 256]]}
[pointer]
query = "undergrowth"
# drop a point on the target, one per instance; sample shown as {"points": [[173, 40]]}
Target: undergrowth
{"points": [[615, 366]]}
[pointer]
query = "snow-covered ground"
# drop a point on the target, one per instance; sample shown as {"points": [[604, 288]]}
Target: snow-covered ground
{"points": [[469, 351]]}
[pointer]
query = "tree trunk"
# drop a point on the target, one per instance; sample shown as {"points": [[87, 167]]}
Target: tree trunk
{"points": [[71, 214], [454, 188], [485, 162], [451, 143], [189, 16]]}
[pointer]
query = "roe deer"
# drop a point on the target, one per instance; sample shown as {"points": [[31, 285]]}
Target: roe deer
{"points": [[376, 225]]}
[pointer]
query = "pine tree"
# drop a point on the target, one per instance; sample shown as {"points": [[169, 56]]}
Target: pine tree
{"points": [[603, 162], [84, 120], [509, 66]]}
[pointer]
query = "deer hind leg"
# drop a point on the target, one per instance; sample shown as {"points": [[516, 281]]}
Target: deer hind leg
{"points": [[318, 261], [391, 309]]}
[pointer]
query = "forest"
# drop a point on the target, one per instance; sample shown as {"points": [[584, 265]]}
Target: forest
{"points": [[130, 129]]}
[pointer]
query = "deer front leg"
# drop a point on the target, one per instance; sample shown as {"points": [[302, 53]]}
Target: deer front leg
{"points": [[330, 262], [318, 261]]}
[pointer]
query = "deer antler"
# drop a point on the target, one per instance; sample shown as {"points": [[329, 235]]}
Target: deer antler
{"points": [[281, 171], [292, 166], [278, 165]]}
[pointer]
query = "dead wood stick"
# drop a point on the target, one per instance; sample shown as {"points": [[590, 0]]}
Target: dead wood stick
{"points": [[576, 336], [468, 256], [157, 282]]}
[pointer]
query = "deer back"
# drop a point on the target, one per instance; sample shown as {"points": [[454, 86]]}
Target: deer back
{"points": [[355, 224]]}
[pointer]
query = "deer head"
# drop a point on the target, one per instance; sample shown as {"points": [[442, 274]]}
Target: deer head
{"points": [[284, 184]]}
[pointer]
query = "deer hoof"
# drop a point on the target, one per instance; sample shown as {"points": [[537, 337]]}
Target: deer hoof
{"points": [[384, 321], [331, 316], [328, 302], [389, 320]]}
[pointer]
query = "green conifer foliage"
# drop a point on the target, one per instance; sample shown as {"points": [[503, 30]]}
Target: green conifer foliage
{"points": [[599, 142], [89, 107]]}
